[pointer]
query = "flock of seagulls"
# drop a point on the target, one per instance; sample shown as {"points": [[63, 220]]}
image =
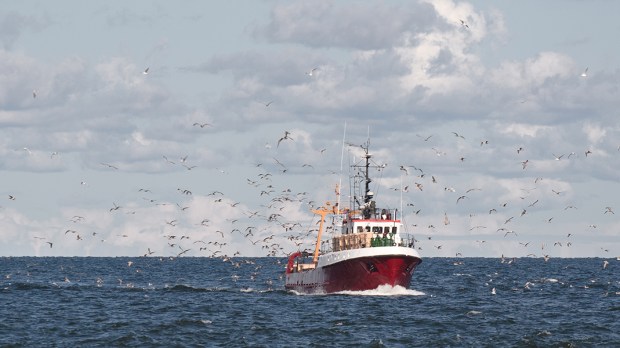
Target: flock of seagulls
{"points": [[268, 189], [500, 216], [269, 229], [266, 228]]}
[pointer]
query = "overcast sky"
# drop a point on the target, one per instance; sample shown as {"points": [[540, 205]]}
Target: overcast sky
{"points": [[153, 127]]}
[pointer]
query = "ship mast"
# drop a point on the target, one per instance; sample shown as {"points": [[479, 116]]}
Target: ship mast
{"points": [[367, 195], [368, 206]]}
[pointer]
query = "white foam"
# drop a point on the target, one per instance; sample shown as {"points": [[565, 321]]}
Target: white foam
{"points": [[385, 290]]}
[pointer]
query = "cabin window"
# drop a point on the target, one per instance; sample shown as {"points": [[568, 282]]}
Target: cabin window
{"points": [[394, 229], [376, 229], [386, 230], [360, 229], [367, 228]]}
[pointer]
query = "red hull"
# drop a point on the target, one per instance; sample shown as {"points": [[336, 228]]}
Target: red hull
{"points": [[358, 274]]}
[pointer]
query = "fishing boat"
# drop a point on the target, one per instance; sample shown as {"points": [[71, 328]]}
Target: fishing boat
{"points": [[371, 249]]}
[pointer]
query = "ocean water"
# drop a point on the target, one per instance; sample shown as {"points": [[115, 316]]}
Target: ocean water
{"points": [[241, 302]]}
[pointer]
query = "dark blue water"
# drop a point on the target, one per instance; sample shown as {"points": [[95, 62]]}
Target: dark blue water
{"points": [[241, 303]]}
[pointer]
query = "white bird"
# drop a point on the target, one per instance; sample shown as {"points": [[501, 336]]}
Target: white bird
{"points": [[146, 71], [585, 73], [309, 73]]}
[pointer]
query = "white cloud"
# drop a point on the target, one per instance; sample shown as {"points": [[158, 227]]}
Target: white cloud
{"points": [[595, 133], [410, 74]]}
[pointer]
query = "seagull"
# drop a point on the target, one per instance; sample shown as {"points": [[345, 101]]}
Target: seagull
{"points": [[524, 163], [267, 104], [202, 125], [557, 158], [438, 152], [109, 165], [605, 263], [509, 232], [34, 93], [50, 243], [309, 73], [458, 135], [585, 73], [427, 138], [608, 210], [464, 24], [286, 136], [146, 71]]}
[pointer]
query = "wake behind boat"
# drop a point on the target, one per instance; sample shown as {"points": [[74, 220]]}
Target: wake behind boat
{"points": [[371, 249]]}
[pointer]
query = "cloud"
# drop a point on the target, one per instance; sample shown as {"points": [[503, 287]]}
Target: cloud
{"points": [[13, 25], [405, 76], [354, 25]]}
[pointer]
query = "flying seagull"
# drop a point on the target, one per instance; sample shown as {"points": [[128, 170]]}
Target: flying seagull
{"points": [[286, 136], [109, 165], [309, 73], [585, 73]]}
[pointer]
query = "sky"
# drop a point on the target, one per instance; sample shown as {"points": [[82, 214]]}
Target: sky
{"points": [[213, 128]]}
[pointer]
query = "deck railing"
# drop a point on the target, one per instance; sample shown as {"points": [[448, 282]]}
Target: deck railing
{"points": [[366, 240]]}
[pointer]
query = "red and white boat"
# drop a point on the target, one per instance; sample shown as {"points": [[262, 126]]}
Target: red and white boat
{"points": [[372, 248]]}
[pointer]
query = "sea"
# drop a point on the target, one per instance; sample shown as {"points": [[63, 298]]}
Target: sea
{"points": [[241, 302]]}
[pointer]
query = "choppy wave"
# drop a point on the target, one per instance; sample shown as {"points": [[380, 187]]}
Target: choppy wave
{"points": [[94, 302]]}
